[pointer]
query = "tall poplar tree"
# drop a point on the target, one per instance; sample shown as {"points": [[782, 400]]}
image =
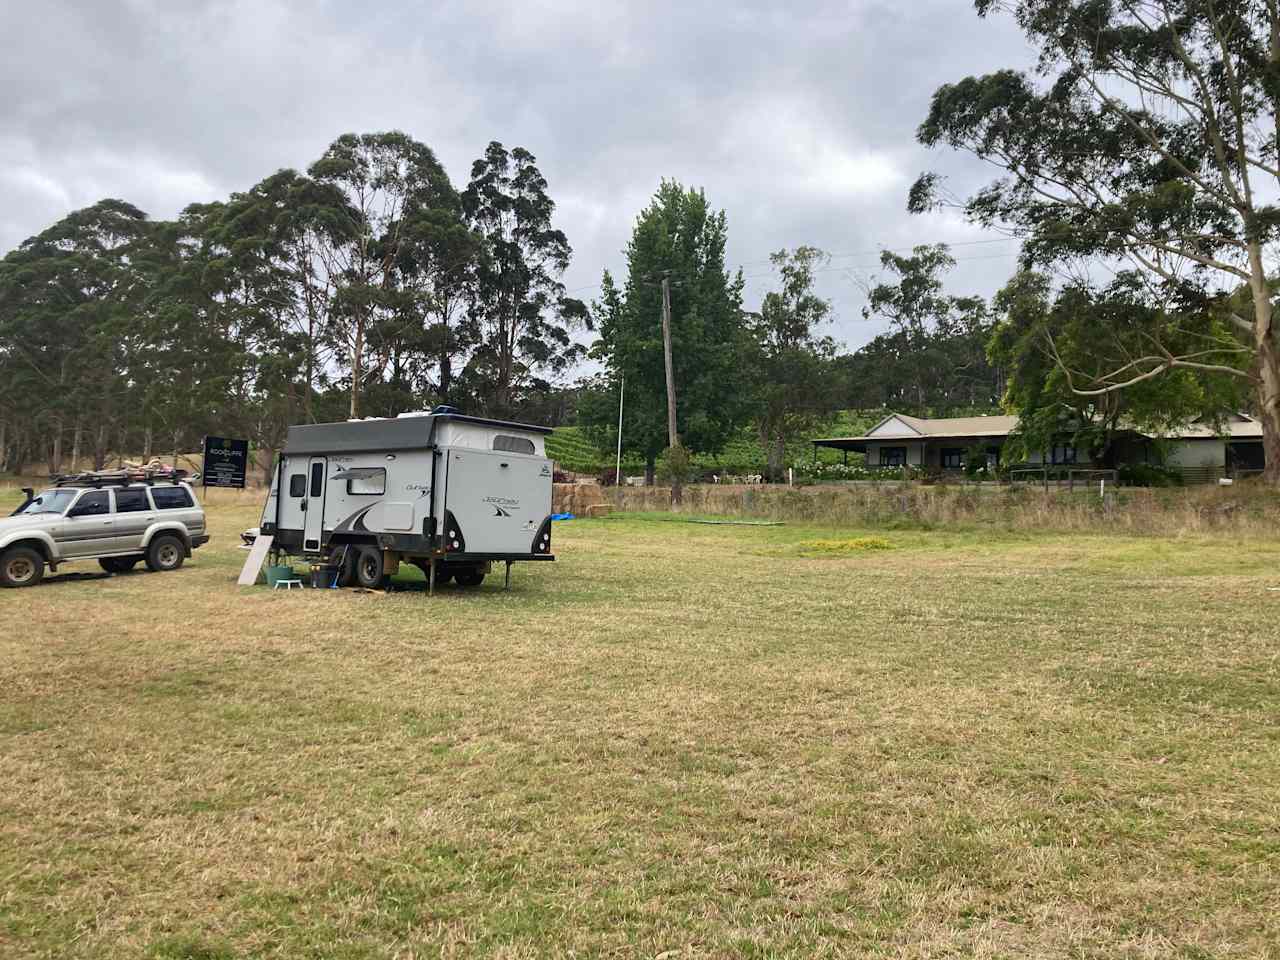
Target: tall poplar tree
{"points": [[679, 235]]}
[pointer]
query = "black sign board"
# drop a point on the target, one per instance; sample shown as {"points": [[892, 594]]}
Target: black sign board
{"points": [[225, 461]]}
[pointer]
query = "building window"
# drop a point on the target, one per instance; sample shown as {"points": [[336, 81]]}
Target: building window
{"points": [[369, 482], [893, 456], [952, 458], [1064, 453], [509, 444]]}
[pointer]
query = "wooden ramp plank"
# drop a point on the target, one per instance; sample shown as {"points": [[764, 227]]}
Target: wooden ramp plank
{"points": [[253, 562]]}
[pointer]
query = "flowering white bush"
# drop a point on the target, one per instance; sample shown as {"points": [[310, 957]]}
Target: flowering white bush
{"points": [[837, 472]]}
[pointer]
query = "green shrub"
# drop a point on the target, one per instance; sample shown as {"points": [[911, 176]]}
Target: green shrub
{"points": [[1147, 475]]}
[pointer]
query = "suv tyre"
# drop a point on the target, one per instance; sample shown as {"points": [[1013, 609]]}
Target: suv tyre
{"points": [[21, 567], [165, 553]]}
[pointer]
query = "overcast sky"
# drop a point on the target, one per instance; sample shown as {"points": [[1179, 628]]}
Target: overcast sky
{"points": [[797, 119]]}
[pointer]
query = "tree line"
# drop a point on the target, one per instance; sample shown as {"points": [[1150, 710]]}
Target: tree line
{"points": [[368, 285]]}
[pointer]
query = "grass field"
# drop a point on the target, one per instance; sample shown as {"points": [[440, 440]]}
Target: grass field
{"points": [[676, 741]]}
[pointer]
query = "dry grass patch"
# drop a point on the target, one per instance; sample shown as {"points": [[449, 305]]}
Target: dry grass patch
{"points": [[676, 739]]}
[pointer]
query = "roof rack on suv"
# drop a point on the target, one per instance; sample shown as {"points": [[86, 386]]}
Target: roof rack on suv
{"points": [[121, 478]]}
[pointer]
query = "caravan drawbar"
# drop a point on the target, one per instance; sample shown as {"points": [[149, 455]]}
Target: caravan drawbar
{"points": [[446, 492]]}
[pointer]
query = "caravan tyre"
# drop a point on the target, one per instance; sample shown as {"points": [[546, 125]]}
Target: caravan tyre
{"points": [[471, 577], [344, 558], [369, 567], [443, 573]]}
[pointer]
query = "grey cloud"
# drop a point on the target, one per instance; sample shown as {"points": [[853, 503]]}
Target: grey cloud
{"points": [[798, 120]]}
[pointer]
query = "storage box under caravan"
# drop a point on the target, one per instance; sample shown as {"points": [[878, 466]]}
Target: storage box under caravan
{"points": [[447, 492]]}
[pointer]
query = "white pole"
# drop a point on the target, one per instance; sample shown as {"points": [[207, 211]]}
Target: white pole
{"points": [[791, 476], [617, 470]]}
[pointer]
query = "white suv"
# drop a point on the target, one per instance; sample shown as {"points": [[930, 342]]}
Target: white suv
{"points": [[116, 523]]}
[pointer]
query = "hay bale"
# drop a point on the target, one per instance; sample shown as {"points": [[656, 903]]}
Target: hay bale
{"points": [[579, 499]]}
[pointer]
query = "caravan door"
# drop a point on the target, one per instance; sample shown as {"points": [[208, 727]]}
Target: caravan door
{"points": [[313, 524]]}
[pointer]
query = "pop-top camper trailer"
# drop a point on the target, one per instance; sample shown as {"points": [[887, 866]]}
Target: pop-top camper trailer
{"points": [[447, 492]]}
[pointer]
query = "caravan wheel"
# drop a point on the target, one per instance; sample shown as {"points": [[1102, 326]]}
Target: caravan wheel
{"points": [[443, 573], [471, 577], [369, 567], [344, 558]]}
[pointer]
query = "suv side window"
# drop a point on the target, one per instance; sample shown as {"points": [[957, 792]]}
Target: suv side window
{"points": [[133, 500], [171, 498], [95, 503]]}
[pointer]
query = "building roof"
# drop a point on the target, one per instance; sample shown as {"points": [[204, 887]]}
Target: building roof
{"points": [[899, 426]]}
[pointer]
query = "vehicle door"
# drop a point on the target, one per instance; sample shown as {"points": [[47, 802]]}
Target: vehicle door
{"points": [[89, 527], [134, 514], [175, 504], [313, 524]]}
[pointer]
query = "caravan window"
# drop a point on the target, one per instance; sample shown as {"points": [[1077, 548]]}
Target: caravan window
{"points": [[370, 483], [509, 444], [298, 485]]}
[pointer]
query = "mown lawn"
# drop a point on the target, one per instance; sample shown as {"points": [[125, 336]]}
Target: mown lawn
{"points": [[677, 741]]}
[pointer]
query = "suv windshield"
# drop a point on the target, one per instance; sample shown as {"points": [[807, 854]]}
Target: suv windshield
{"points": [[49, 501]]}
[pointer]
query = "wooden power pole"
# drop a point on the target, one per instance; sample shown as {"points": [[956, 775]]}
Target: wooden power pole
{"points": [[673, 438]]}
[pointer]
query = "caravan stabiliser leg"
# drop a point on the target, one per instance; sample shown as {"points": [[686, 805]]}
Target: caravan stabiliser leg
{"points": [[507, 585]]}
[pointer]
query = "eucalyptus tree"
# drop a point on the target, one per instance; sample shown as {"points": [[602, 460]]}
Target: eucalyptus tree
{"points": [[522, 314], [68, 299], [1147, 136], [936, 347], [794, 386], [381, 178], [438, 263], [1099, 328]]}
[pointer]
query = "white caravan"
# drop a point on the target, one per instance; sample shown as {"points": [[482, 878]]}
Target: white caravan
{"points": [[446, 492]]}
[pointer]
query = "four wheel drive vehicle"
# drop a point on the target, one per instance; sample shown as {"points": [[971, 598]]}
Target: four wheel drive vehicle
{"points": [[117, 523]]}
